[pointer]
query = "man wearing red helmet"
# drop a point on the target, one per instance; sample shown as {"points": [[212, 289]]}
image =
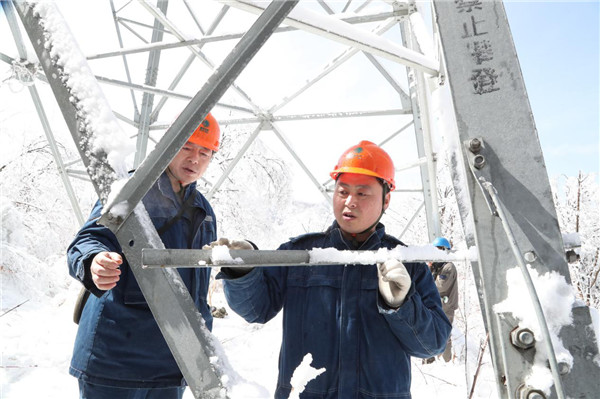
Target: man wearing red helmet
{"points": [[119, 350], [360, 323]]}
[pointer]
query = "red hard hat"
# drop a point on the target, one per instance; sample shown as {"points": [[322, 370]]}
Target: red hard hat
{"points": [[207, 134], [366, 158]]}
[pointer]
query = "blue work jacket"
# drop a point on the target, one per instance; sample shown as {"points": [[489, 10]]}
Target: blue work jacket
{"points": [[336, 314], [118, 342]]}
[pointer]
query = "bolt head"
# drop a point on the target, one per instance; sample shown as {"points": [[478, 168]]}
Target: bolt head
{"points": [[530, 256], [528, 392], [522, 338], [475, 146], [526, 337], [563, 368]]}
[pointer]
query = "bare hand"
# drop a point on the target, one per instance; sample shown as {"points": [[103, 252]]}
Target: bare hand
{"points": [[105, 270]]}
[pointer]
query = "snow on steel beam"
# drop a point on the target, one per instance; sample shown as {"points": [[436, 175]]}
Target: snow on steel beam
{"points": [[222, 256], [336, 30], [144, 120], [323, 115], [209, 38]]}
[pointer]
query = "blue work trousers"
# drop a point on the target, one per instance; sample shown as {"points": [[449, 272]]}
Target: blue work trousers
{"points": [[93, 391]]}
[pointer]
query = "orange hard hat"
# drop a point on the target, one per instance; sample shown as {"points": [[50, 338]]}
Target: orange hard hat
{"points": [[369, 159], [207, 134]]}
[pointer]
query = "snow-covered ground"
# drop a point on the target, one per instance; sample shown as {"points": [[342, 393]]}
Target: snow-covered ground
{"points": [[38, 335]]}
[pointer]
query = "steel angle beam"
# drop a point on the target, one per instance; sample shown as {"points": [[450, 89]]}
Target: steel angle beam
{"points": [[209, 37], [336, 30], [144, 120], [167, 258], [491, 104], [421, 119]]}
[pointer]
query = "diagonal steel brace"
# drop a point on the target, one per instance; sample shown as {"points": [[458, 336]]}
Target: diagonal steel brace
{"points": [[169, 301]]}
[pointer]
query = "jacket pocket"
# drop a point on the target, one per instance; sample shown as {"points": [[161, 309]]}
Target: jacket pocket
{"points": [[315, 276], [132, 294]]}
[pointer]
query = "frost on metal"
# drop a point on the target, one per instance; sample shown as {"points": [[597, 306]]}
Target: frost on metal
{"points": [[220, 256], [557, 299], [403, 254], [101, 141]]}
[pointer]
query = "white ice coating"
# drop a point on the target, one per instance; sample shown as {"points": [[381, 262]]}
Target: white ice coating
{"points": [[443, 108], [303, 374], [571, 240], [82, 83], [403, 254], [122, 207], [220, 256], [423, 37], [557, 299]]}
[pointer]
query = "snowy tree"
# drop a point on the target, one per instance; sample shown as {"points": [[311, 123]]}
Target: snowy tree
{"points": [[37, 220], [577, 205]]}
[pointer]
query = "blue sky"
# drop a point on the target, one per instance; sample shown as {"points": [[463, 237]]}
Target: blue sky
{"points": [[558, 48]]}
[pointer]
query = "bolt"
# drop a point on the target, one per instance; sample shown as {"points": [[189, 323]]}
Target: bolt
{"points": [[535, 395], [563, 368], [526, 337], [522, 338], [530, 256], [527, 392], [475, 146], [479, 161]]}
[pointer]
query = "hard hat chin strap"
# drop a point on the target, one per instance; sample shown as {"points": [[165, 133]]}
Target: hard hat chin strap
{"points": [[386, 190], [168, 170]]}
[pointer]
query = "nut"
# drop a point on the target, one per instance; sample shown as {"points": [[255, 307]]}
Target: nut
{"points": [[522, 338]]}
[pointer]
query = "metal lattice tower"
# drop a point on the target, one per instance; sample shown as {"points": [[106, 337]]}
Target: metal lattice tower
{"points": [[370, 71]]}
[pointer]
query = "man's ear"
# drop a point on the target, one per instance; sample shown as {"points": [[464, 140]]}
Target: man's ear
{"points": [[386, 200]]}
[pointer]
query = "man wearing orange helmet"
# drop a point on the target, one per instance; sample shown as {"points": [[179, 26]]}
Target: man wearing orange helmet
{"points": [[119, 350], [360, 323]]}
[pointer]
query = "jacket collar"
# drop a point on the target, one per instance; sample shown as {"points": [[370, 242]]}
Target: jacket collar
{"points": [[166, 189], [373, 242]]}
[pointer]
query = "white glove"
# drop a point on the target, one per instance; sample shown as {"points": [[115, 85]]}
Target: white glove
{"points": [[237, 271], [394, 282], [233, 244]]}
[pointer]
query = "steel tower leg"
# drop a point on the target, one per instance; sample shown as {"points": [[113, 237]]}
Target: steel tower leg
{"points": [[516, 220]]}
